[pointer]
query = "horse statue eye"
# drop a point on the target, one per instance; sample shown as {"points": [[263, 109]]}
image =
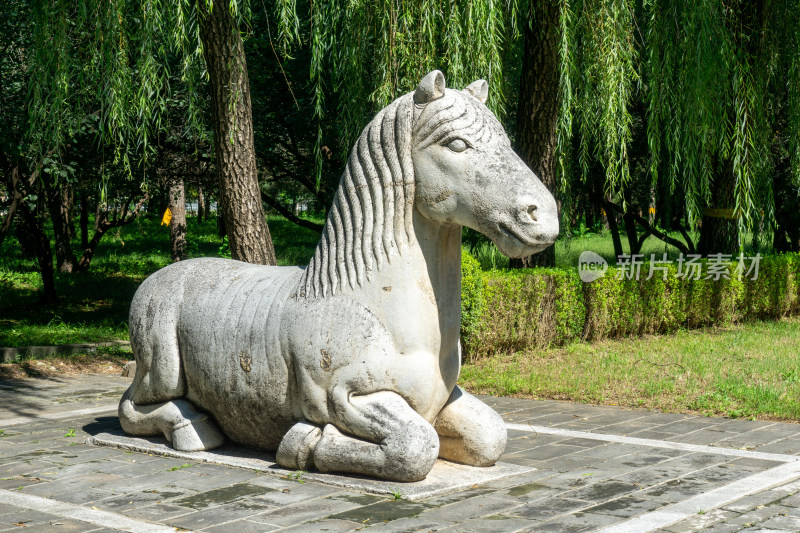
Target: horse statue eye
{"points": [[457, 145]]}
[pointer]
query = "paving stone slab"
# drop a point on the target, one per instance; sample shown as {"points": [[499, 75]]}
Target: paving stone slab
{"points": [[241, 526], [493, 524], [578, 522], [327, 526], [445, 478]]}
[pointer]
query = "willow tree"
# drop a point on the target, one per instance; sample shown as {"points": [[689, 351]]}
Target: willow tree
{"points": [[577, 76], [695, 101], [117, 62], [724, 108], [369, 53], [577, 71], [713, 88]]}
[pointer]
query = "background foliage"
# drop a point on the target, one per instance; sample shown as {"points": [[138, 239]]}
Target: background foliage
{"points": [[665, 110]]}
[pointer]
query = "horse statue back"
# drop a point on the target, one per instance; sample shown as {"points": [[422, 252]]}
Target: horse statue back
{"points": [[349, 364]]}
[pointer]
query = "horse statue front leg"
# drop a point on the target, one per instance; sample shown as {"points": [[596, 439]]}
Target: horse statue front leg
{"points": [[470, 432], [385, 438]]}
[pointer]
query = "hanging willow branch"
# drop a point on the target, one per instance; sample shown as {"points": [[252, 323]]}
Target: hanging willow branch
{"points": [[718, 76], [115, 61], [373, 52], [720, 80]]}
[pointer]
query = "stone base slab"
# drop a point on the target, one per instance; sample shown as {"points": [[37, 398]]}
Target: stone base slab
{"points": [[445, 478]]}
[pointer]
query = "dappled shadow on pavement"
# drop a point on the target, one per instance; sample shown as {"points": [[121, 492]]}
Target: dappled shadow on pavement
{"points": [[22, 397], [57, 396]]}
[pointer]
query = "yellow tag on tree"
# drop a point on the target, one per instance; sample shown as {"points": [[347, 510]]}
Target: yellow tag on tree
{"points": [[167, 218]]}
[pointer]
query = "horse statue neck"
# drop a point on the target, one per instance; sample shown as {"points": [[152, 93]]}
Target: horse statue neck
{"points": [[414, 289], [439, 250], [378, 249], [350, 263]]}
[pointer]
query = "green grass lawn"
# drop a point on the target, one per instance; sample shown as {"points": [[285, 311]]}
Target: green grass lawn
{"points": [[750, 370]]}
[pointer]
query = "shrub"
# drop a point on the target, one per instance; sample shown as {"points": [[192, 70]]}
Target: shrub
{"points": [[472, 300], [522, 308], [775, 293], [512, 310]]}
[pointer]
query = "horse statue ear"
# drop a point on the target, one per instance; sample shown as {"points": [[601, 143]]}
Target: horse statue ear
{"points": [[479, 89], [430, 88]]}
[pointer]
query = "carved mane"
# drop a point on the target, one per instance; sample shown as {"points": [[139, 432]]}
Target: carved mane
{"points": [[371, 218]]}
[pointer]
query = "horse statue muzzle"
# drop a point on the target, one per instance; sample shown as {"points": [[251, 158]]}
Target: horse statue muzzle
{"points": [[349, 364]]}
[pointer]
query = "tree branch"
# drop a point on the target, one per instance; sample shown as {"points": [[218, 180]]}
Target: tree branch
{"points": [[104, 225], [651, 230], [272, 202], [15, 193], [689, 242], [16, 198], [301, 178]]}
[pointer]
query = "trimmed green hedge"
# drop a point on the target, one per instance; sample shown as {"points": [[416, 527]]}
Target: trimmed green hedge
{"points": [[510, 310]]}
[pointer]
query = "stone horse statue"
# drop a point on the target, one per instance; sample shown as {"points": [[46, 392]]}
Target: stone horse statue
{"points": [[350, 364]]}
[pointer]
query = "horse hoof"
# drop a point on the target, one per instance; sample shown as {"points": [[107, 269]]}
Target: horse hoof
{"points": [[196, 435], [296, 447]]}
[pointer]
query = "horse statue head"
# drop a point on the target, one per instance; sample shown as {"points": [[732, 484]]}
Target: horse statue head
{"points": [[467, 173], [440, 152]]}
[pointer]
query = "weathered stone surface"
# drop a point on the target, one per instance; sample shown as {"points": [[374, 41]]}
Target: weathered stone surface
{"points": [[129, 370], [349, 365]]}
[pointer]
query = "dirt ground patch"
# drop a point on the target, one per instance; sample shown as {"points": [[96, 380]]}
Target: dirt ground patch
{"points": [[58, 367]]}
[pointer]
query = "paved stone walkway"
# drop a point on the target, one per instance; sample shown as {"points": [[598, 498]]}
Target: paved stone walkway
{"points": [[598, 469]]}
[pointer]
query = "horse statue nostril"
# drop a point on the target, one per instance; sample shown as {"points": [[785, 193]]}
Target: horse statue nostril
{"points": [[532, 212]]}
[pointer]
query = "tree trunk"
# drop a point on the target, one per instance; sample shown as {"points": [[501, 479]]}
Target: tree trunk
{"points": [[177, 226], [200, 205], [786, 237], [68, 208], [58, 201], [240, 195], [718, 235], [16, 199], [665, 200], [630, 232], [537, 116], [611, 216], [222, 231], [84, 221], [34, 226], [719, 232], [98, 212]]}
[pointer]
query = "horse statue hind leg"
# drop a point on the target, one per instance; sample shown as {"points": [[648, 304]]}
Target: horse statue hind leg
{"points": [[386, 439], [154, 403]]}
